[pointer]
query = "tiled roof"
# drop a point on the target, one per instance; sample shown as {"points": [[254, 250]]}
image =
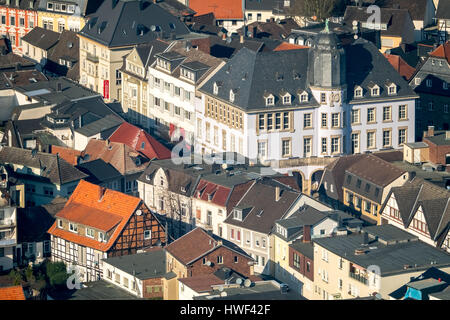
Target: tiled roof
{"points": [[137, 138], [443, 51], [404, 69], [231, 9], [201, 283], [68, 154], [443, 10], [184, 250], [219, 193], [119, 155], [289, 46], [89, 207], [41, 38], [12, 293], [53, 168]]}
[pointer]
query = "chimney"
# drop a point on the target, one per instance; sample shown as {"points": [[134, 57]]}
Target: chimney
{"points": [[307, 233], [101, 193], [254, 31], [365, 239], [17, 3], [447, 135], [224, 36], [277, 194], [59, 87], [430, 131], [31, 4], [241, 38]]}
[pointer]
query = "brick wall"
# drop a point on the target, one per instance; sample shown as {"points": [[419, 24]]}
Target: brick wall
{"points": [[437, 153], [303, 261], [153, 288]]}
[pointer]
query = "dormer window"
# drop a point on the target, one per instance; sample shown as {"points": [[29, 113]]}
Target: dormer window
{"points": [[287, 99], [60, 224], [215, 88], [358, 92], [187, 74], [270, 100], [73, 227], [237, 214], [304, 97], [445, 85], [392, 89], [231, 96], [429, 83], [375, 91]]}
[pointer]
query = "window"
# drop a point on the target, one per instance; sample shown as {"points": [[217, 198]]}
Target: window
{"points": [[220, 259], [355, 142], [387, 116], [296, 261], [147, 234], [323, 97], [60, 224], [90, 232], [335, 120], [392, 89], [269, 121], [101, 237], [334, 145], [13, 21], [430, 106], [324, 145], [287, 99], [125, 282], [445, 108], [401, 136], [285, 120], [118, 77], [375, 91], [73, 227], [22, 22], [324, 120], [386, 138], [270, 101], [258, 16], [367, 206], [249, 17], [354, 116], [445, 85], [177, 110], [371, 139], [48, 191], [236, 259], [402, 114], [324, 255], [358, 183], [286, 148], [307, 147], [61, 26], [308, 266], [429, 83], [304, 97], [358, 93], [370, 115], [307, 121], [262, 149], [358, 202]]}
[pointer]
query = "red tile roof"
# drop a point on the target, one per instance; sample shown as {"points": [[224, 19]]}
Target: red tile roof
{"points": [[202, 283], [12, 293], [88, 207], [404, 69], [443, 51], [192, 245], [133, 137], [68, 154], [228, 9], [220, 193], [284, 46]]}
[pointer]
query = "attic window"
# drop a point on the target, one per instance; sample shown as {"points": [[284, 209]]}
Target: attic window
{"points": [[375, 91], [358, 92], [287, 99], [237, 214], [216, 88], [270, 101], [232, 96], [304, 97], [143, 145], [171, 26], [392, 89]]}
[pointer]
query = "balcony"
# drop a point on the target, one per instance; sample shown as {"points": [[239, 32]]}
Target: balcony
{"points": [[92, 58], [358, 277], [7, 224]]}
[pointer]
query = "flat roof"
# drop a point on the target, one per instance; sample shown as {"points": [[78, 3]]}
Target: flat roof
{"points": [[98, 290]]}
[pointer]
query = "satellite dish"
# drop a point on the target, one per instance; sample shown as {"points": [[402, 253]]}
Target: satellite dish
{"points": [[138, 212], [153, 28], [221, 288], [223, 294], [208, 263], [378, 296], [249, 34], [355, 23], [247, 283], [239, 281]]}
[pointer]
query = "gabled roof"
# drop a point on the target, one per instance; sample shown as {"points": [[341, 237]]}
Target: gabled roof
{"points": [[23, 4], [185, 252], [404, 69], [97, 207], [416, 8], [219, 193], [12, 293], [433, 200], [119, 23], [103, 125], [53, 168], [68, 154], [265, 210], [443, 51], [137, 138], [229, 10], [41, 38], [123, 158]]}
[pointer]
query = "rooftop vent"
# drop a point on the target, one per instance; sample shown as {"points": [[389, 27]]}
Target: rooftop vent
{"points": [[360, 251]]}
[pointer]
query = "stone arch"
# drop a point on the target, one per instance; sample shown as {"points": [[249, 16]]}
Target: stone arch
{"points": [[300, 177], [315, 178]]}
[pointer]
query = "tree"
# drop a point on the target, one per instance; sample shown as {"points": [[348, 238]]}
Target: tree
{"points": [[56, 274], [321, 9]]}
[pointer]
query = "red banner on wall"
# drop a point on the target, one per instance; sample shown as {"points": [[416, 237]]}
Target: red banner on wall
{"points": [[106, 89]]}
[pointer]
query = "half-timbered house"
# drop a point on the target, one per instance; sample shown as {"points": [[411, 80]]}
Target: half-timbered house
{"points": [[98, 223]]}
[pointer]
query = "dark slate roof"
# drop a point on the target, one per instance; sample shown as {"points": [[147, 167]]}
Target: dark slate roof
{"points": [[108, 122], [119, 23], [391, 258], [416, 8], [41, 38], [435, 203], [98, 290], [255, 74], [33, 222], [443, 10], [66, 49], [99, 171], [305, 248], [11, 60], [23, 4], [146, 265], [54, 169], [395, 19], [176, 8], [264, 209]]}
